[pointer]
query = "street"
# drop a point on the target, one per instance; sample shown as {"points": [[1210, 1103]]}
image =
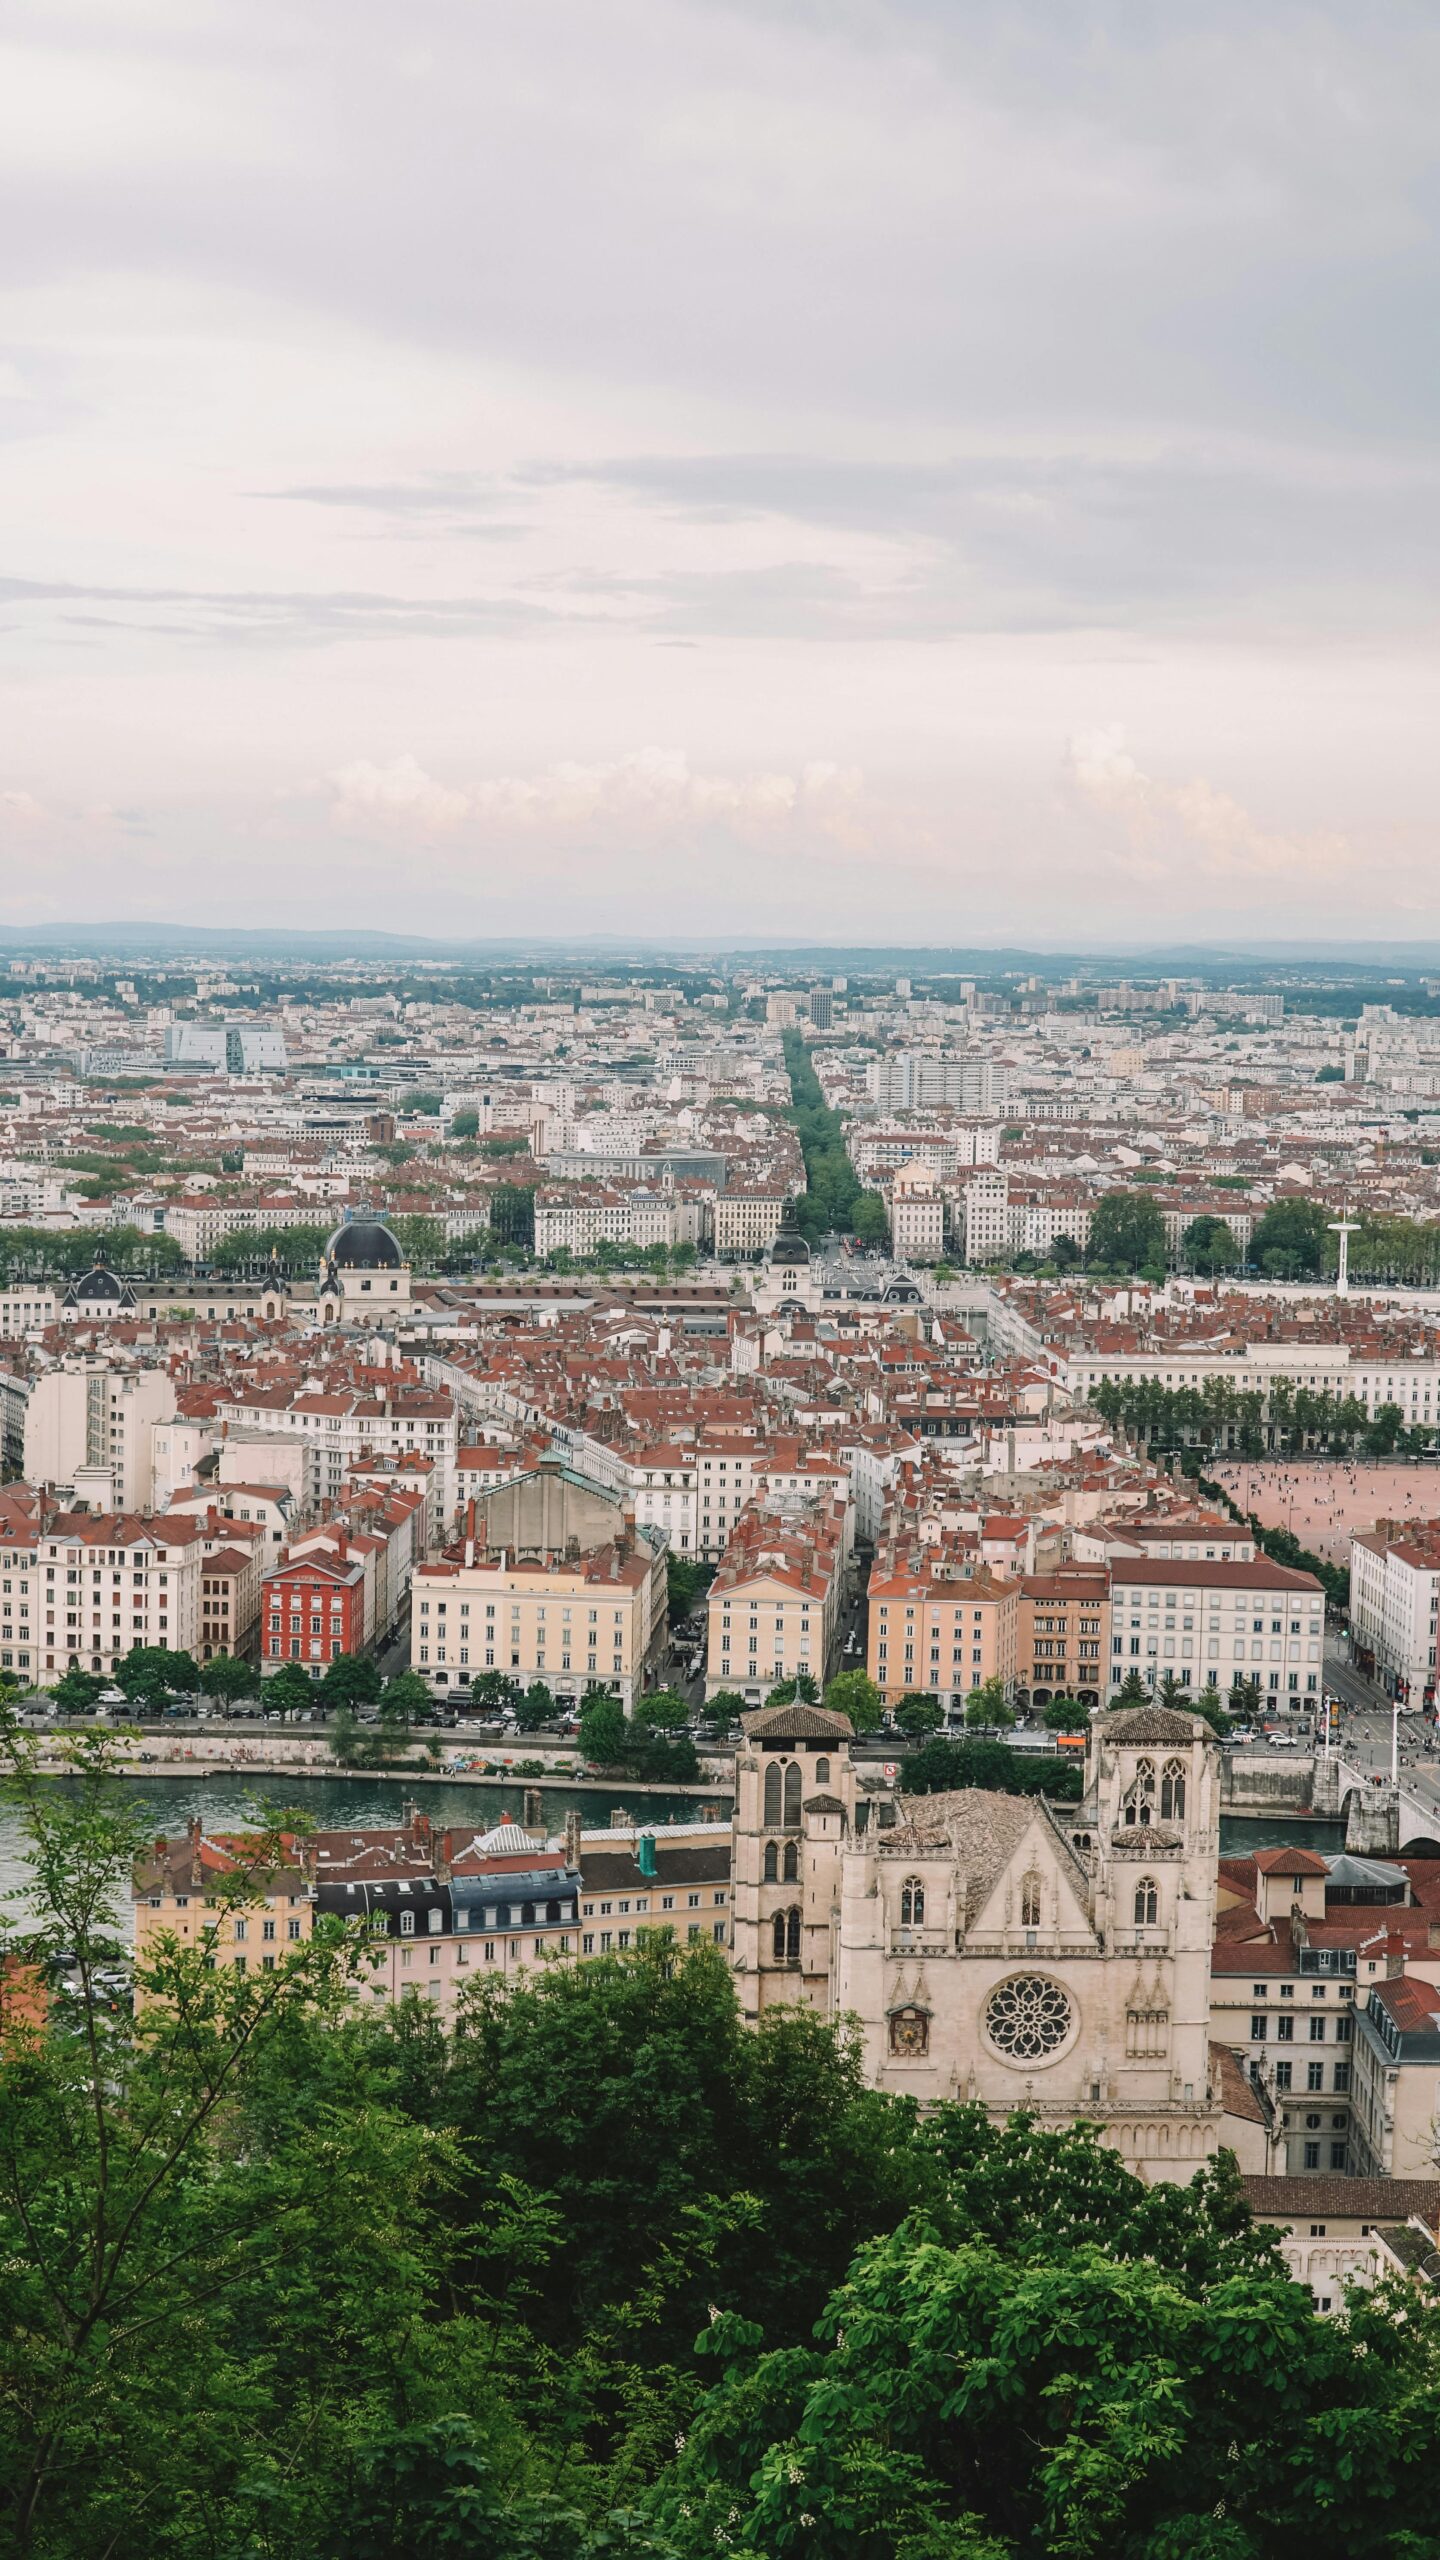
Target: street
{"points": [[1366, 1731]]}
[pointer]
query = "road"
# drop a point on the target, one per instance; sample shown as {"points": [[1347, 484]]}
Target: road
{"points": [[1366, 1731]]}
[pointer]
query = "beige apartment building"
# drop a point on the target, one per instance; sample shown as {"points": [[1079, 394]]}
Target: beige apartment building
{"points": [[1213, 1622], [89, 1425], [774, 1609], [746, 1222], [555, 1582], [941, 1631], [104, 1583]]}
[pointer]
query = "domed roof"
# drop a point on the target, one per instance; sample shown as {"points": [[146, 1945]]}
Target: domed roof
{"points": [[364, 1244], [789, 1246]]}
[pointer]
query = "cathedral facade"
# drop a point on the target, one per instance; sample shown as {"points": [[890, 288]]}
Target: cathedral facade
{"points": [[992, 1947]]}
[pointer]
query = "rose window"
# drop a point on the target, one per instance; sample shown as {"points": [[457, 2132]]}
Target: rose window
{"points": [[1027, 2018]]}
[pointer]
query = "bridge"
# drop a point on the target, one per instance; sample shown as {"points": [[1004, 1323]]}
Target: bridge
{"points": [[1380, 1819]]}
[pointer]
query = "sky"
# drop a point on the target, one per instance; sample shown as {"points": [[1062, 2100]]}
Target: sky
{"points": [[901, 470]]}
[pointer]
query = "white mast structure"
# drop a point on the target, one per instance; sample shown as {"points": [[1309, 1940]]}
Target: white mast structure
{"points": [[1344, 1228]]}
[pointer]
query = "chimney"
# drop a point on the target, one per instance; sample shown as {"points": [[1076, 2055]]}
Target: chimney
{"points": [[533, 1817], [572, 1838], [446, 1853]]}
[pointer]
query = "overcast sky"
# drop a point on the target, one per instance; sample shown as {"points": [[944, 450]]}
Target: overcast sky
{"points": [[910, 469]]}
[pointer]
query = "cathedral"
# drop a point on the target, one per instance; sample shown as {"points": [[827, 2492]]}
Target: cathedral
{"points": [[996, 1948]]}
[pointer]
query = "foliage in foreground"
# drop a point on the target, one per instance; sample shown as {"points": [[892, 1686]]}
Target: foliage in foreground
{"points": [[288, 2274]]}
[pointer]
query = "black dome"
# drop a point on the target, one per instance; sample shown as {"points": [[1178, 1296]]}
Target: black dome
{"points": [[364, 1244], [789, 1247]]}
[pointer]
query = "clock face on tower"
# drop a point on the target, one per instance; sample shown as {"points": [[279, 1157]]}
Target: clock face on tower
{"points": [[910, 2032]]}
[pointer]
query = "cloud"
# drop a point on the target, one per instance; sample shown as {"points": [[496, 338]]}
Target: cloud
{"points": [[649, 793], [1167, 827]]}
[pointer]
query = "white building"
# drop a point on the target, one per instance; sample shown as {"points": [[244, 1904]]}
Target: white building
{"points": [[1395, 1603], [90, 1425]]}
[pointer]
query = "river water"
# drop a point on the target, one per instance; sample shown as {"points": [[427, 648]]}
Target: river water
{"points": [[230, 1803]]}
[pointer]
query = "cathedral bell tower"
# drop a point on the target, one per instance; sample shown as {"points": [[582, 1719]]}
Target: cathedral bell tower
{"points": [[794, 1813]]}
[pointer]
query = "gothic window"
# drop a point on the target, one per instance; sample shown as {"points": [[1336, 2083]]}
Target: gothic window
{"points": [[792, 1936], [910, 2033], [1030, 1902], [822, 1773], [772, 1862], [1172, 1792], [772, 1796], [912, 1903], [792, 1795], [1140, 1794], [778, 1933], [792, 1861], [1147, 1902], [1027, 2018]]}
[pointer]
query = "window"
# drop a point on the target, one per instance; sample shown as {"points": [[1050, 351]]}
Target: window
{"points": [[1283, 2074], [792, 1795], [912, 1903], [1315, 2075], [1317, 2030], [772, 1862], [822, 1773], [1312, 2155], [792, 1862], [1172, 1792], [1139, 1804], [772, 1796], [1147, 1903]]}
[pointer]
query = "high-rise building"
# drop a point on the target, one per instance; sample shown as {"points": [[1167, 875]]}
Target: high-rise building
{"points": [[821, 1008]]}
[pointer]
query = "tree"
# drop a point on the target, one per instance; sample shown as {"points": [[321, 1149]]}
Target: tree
{"points": [[986, 1707], [604, 1732], [870, 1222], [941, 1764], [492, 1690], [686, 1582], [917, 1715], [351, 1680], [785, 1692], [1127, 1229], [1132, 1691], [661, 1711], [289, 1691], [1208, 1245], [1289, 1241], [1173, 1693], [1330, 1075], [1065, 1253], [538, 1704], [227, 1678], [76, 1693], [854, 1694], [151, 1675], [427, 1105], [1208, 1705], [724, 1709], [465, 1124], [404, 1701], [1063, 1716]]}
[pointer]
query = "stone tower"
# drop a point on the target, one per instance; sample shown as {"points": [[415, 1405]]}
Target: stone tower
{"points": [[794, 1813]]}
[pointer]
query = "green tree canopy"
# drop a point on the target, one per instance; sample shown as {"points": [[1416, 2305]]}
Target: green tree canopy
{"points": [[227, 1678], [916, 1715], [1127, 1230], [854, 1694], [351, 1680], [151, 1675], [1289, 1241]]}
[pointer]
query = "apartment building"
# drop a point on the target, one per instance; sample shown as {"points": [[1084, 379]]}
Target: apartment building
{"points": [[557, 1583], [941, 1622], [341, 1431], [1062, 1635], [576, 1220], [106, 1582], [910, 1080], [89, 1426], [746, 1222], [774, 1609], [180, 1893], [1212, 1622], [1397, 2079], [917, 1217], [1395, 1605], [1285, 2006], [314, 1607]]}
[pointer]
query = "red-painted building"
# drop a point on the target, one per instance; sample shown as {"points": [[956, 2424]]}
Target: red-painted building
{"points": [[314, 1609]]}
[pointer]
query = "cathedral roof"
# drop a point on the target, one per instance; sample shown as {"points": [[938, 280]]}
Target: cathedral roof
{"points": [[1151, 1724], [797, 1723], [981, 1830]]}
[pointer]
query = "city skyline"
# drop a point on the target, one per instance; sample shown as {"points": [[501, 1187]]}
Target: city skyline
{"points": [[924, 473]]}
